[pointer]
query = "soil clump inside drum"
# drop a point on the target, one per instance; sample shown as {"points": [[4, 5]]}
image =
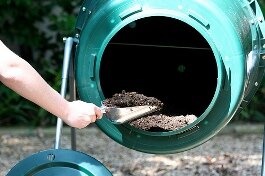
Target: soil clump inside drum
{"points": [[151, 122]]}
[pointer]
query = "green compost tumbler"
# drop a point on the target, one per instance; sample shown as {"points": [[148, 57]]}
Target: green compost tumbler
{"points": [[201, 57]]}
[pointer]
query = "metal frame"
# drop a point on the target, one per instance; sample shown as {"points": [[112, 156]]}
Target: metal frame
{"points": [[67, 72], [261, 25], [263, 156]]}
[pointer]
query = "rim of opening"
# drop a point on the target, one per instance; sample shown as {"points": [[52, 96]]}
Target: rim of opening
{"points": [[164, 44]]}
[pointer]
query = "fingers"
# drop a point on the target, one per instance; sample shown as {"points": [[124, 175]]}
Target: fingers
{"points": [[84, 122], [93, 118], [98, 112]]}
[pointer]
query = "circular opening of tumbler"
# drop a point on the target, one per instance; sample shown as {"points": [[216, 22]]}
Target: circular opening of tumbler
{"points": [[163, 58]]}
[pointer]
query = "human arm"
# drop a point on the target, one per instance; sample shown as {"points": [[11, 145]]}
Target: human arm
{"points": [[20, 76]]}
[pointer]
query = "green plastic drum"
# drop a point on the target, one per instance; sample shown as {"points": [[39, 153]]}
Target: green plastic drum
{"points": [[198, 57]]}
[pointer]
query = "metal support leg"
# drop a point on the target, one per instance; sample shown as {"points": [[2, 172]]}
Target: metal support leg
{"points": [[66, 61], [72, 90], [263, 155]]}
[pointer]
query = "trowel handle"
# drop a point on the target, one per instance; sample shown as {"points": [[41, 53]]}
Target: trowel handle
{"points": [[103, 109]]}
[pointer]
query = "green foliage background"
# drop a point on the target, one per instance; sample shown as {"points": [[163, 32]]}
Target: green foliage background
{"points": [[20, 22], [24, 24]]}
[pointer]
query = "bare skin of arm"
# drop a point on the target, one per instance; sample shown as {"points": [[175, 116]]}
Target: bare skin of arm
{"points": [[21, 77]]}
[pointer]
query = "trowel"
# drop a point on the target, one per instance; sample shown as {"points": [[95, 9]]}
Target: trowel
{"points": [[126, 114]]}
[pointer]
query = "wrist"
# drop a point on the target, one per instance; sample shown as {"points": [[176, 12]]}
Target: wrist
{"points": [[64, 110]]}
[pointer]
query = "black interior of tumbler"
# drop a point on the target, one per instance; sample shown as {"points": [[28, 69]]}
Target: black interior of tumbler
{"points": [[164, 58]]}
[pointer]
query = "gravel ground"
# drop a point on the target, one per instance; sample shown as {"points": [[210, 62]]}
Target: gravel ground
{"points": [[225, 154]]}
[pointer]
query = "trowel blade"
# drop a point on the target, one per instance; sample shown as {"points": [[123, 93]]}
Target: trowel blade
{"points": [[122, 115]]}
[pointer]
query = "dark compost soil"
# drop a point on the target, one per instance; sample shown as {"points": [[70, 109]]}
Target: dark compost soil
{"points": [[152, 122], [128, 99]]}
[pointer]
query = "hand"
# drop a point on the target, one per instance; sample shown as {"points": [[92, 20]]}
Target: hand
{"points": [[80, 114]]}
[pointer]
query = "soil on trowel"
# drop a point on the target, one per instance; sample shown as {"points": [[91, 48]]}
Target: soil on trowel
{"points": [[128, 99], [151, 122]]}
